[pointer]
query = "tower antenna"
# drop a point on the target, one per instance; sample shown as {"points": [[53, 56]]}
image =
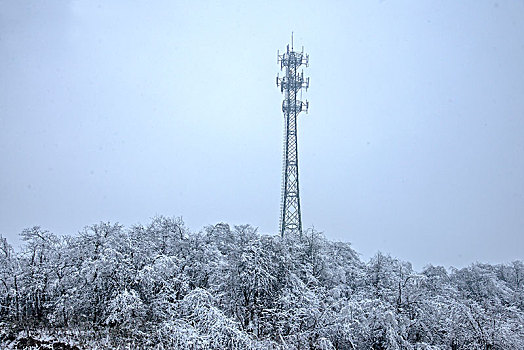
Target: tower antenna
{"points": [[290, 85]]}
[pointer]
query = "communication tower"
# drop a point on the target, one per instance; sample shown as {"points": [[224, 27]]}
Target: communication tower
{"points": [[290, 85]]}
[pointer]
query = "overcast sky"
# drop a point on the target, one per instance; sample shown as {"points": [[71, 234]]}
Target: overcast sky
{"points": [[413, 145]]}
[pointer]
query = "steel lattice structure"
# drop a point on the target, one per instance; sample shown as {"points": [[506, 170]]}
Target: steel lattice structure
{"points": [[290, 85]]}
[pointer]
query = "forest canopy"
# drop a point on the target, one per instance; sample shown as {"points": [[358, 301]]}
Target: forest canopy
{"points": [[160, 286]]}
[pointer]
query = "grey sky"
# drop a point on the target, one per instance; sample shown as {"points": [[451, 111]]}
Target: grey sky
{"points": [[414, 143]]}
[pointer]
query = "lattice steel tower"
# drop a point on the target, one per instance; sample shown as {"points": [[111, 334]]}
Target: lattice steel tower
{"points": [[291, 84]]}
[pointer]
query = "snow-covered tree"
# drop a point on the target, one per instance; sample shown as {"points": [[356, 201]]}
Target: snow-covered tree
{"points": [[160, 286]]}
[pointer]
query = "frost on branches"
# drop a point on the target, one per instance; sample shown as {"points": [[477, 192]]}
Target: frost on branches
{"points": [[162, 287]]}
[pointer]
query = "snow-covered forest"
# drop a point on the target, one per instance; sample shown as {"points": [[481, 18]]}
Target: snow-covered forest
{"points": [[160, 286]]}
